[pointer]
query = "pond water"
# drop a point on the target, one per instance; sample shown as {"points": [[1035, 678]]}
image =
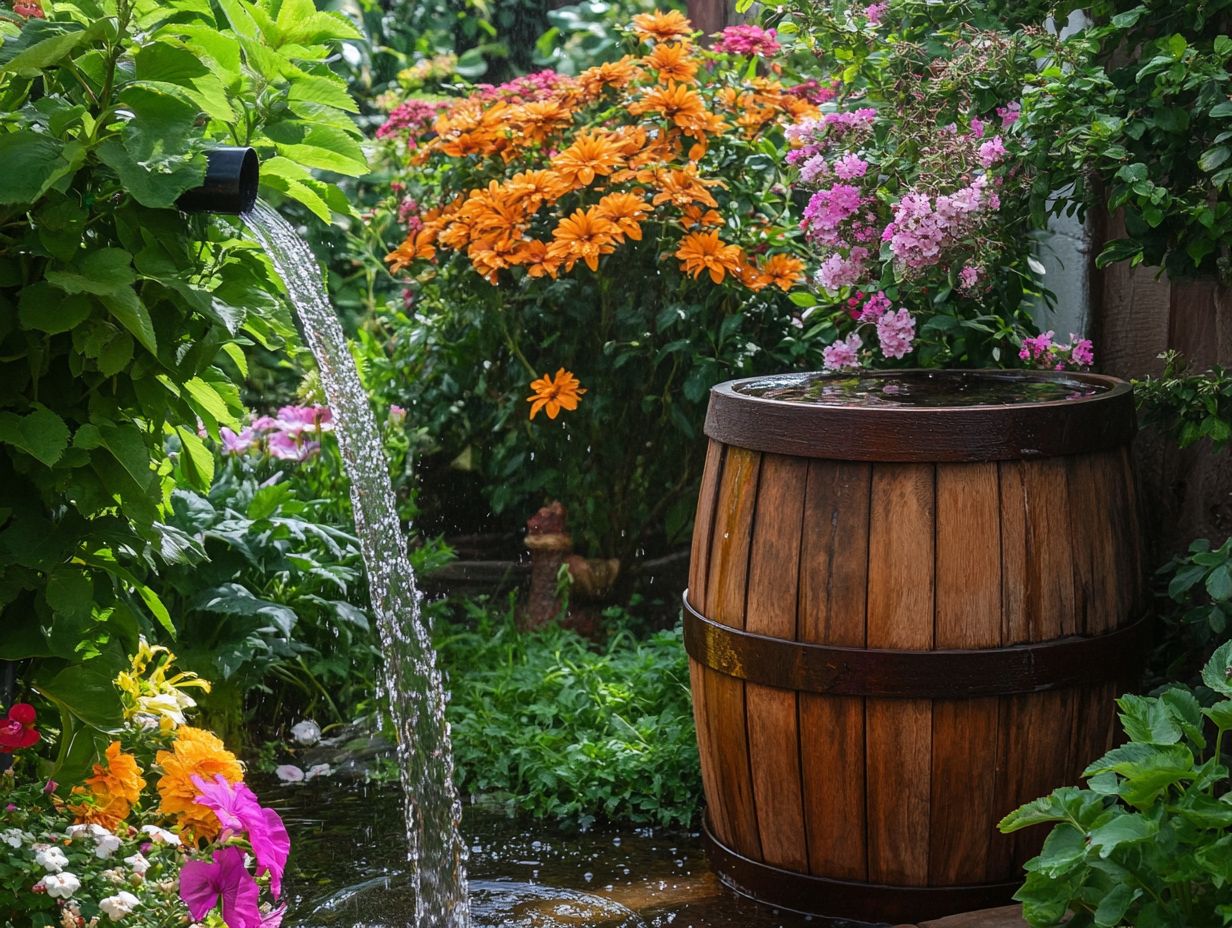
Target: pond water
{"points": [[923, 389], [348, 868]]}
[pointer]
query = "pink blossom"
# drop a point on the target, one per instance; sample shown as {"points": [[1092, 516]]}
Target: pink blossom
{"points": [[992, 151], [815, 168], [397, 415], [812, 91], [850, 166], [969, 276], [896, 333], [1009, 113], [875, 11], [411, 119], [1081, 351], [287, 447], [977, 127], [875, 307], [747, 40], [837, 271], [239, 811], [843, 354], [528, 88], [238, 444], [827, 209], [1037, 347], [202, 885], [296, 420]]}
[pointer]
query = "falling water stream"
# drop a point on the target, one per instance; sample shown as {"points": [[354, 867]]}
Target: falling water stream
{"points": [[412, 680]]}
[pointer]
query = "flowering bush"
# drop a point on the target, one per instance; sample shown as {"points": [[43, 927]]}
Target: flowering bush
{"points": [[631, 224], [161, 832], [920, 186]]}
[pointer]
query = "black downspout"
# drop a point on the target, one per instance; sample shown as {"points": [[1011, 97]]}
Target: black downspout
{"points": [[231, 179]]}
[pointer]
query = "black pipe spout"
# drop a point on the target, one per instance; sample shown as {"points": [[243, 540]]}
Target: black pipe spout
{"points": [[231, 178]]}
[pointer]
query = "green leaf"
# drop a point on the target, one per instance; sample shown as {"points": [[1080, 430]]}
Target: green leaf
{"points": [[316, 146], [32, 163], [45, 309], [157, 608], [1220, 714], [130, 312], [207, 399], [1127, 828], [1219, 583], [1217, 674], [128, 446], [157, 180], [1064, 848], [1212, 158], [85, 690], [71, 593], [41, 434], [233, 599], [39, 45], [101, 271], [1112, 907], [1148, 720], [198, 460], [327, 91]]}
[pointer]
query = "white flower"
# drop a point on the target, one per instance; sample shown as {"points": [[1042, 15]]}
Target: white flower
{"points": [[50, 858], [119, 905], [138, 863], [306, 733], [60, 885], [105, 846], [289, 773], [318, 770], [161, 835], [13, 837]]}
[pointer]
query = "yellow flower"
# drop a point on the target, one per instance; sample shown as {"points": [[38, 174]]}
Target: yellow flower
{"points": [[584, 236], [193, 753], [705, 251], [662, 27], [109, 795], [149, 691], [562, 392]]}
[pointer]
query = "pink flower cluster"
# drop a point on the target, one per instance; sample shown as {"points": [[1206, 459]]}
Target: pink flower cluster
{"points": [[225, 880], [924, 227], [409, 215], [1042, 351], [813, 91], [828, 209], [747, 40], [874, 12], [529, 88], [895, 332], [410, 119], [284, 437]]}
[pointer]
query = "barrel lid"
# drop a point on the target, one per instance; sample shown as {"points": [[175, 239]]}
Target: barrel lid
{"points": [[923, 415]]}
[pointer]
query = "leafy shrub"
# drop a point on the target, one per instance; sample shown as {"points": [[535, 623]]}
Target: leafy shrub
{"points": [[575, 222], [122, 322], [570, 731], [1147, 842], [1188, 406], [1198, 612]]}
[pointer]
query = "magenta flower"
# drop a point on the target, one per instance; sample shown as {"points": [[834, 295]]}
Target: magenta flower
{"points": [[844, 354], [747, 40], [295, 420], [992, 151], [239, 811], [875, 11], [1081, 351], [203, 885], [286, 447]]}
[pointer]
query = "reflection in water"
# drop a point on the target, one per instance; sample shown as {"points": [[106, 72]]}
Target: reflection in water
{"points": [[931, 389]]}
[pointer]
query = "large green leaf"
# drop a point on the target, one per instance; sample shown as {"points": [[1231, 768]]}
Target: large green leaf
{"points": [[86, 690], [32, 163], [101, 271], [46, 309], [131, 313], [40, 44], [41, 434], [1217, 674]]}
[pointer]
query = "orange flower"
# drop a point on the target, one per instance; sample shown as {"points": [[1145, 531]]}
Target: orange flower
{"points": [[662, 27], [591, 154], [609, 74], [533, 255], [705, 251], [109, 795], [625, 211], [694, 215], [417, 245], [584, 236], [539, 119], [682, 187], [783, 271], [534, 188], [673, 61], [675, 102], [193, 753], [563, 392]]}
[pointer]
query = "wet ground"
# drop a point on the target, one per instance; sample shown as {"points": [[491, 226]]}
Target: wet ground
{"points": [[349, 862]]}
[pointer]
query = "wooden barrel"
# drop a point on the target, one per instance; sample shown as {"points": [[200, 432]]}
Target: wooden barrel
{"points": [[912, 598]]}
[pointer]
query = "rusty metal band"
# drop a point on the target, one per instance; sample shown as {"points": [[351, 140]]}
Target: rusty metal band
{"points": [[943, 674], [1019, 431], [830, 898]]}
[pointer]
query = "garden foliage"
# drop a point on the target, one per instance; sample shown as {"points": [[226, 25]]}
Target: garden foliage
{"points": [[568, 730], [1148, 841], [123, 322]]}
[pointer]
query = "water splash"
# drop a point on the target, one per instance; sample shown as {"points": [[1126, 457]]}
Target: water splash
{"points": [[412, 681]]}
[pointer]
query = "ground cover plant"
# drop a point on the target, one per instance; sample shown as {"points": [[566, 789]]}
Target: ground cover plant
{"points": [[1146, 842], [557, 726]]}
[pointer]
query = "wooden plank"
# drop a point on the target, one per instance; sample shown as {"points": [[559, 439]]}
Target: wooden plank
{"points": [[733, 813], [703, 525], [898, 737], [833, 590], [1037, 552], [968, 616], [774, 742]]}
